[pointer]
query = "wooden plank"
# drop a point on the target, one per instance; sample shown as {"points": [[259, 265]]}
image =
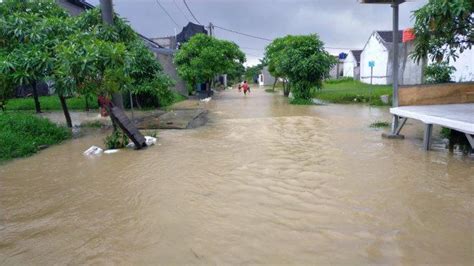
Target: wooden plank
{"points": [[121, 119], [430, 94]]}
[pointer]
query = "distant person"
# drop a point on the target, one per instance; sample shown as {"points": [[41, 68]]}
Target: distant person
{"points": [[240, 87], [103, 102], [245, 87]]}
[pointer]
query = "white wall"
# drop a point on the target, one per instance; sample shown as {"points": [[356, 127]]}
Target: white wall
{"points": [[374, 51], [464, 67], [349, 64]]}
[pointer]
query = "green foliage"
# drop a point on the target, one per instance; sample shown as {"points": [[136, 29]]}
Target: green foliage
{"points": [[348, 91], [203, 57], [443, 29], [50, 103], [456, 138], [92, 124], [379, 124], [81, 54], [439, 73], [21, 135], [301, 101], [116, 140], [301, 60], [339, 80]]}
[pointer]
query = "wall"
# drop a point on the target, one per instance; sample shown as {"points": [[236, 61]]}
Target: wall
{"points": [[349, 64], [166, 61], [374, 51], [265, 78], [464, 67], [411, 72]]}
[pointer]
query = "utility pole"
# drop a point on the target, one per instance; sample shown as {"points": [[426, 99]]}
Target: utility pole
{"points": [[395, 5], [107, 10], [211, 29]]}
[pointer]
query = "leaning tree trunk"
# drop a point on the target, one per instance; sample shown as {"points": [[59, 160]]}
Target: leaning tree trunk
{"points": [[274, 84], [35, 96], [65, 110]]}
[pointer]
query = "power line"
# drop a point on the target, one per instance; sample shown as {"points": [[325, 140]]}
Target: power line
{"points": [[163, 8], [191, 12], [180, 10], [241, 33]]}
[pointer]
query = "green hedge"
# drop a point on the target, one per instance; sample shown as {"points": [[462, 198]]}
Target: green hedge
{"points": [[21, 135]]}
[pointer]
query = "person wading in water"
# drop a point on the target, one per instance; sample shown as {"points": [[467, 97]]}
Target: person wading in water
{"points": [[245, 87]]}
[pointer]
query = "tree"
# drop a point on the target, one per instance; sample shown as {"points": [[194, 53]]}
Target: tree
{"points": [[252, 71], [302, 61], [203, 57], [443, 29], [80, 55]]}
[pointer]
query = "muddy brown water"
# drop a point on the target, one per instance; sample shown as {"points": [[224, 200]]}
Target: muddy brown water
{"points": [[262, 183]]}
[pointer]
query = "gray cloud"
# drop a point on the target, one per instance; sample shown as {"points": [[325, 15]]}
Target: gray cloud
{"points": [[339, 23]]}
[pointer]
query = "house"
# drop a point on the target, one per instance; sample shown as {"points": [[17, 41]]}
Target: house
{"points": [[189, 31], [265, 78], [378, 50], [163, 55], [337, 70], [352, 64]]}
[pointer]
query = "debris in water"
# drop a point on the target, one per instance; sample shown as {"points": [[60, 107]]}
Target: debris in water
{"points": [[111, 151], [93, 150], [206, 100], [150, 140]]}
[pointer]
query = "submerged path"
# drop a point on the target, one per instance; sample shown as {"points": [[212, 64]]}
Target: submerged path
{"points": [[263, 182]]}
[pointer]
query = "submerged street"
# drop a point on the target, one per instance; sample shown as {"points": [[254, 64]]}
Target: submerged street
{"points": [[262, 182]]}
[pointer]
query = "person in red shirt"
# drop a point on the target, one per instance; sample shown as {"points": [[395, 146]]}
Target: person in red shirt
{"points": [[103, 102], [245, 87]]}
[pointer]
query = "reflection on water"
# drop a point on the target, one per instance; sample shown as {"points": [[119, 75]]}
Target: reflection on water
{"points": [[263, 182]]}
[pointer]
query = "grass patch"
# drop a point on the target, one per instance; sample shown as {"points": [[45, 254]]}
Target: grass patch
{"points": [[178, 98], [270, 90], [22, 135], [92, 124], [352, 91], [49, 103], [379, 124], [301, 101]]}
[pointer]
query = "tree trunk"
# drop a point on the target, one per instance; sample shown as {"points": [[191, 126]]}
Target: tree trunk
{"points": [[65, 110], [274, 84], [286, 89], [35, 96], [87, 103]]}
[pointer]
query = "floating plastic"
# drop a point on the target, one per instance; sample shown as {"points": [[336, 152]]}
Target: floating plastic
{"points": [[93, 150]]}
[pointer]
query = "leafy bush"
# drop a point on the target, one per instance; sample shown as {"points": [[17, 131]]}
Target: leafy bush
{"points": [[22, 135], [439, 73], [379, 124], [116, 140], [456, 138]]}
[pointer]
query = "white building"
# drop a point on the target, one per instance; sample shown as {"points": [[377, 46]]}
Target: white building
{"points": [[352, 64], [265, 78], [379, 50]]}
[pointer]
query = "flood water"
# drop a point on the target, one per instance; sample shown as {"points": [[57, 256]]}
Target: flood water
{"points": [[262, 183]]}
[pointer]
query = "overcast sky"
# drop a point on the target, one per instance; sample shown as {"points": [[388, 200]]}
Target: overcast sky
{"points": [[339, 23]]}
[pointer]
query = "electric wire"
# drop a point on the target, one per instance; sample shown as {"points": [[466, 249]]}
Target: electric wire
{"points": [[191, 12], [163, 8], [244, 34], [180, 10]]}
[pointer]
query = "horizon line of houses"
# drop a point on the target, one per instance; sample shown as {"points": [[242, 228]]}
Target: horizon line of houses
{"points": [[378, 51]]}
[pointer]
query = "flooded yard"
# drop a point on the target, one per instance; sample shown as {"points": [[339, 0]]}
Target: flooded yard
{"points": [[263, 182]]}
